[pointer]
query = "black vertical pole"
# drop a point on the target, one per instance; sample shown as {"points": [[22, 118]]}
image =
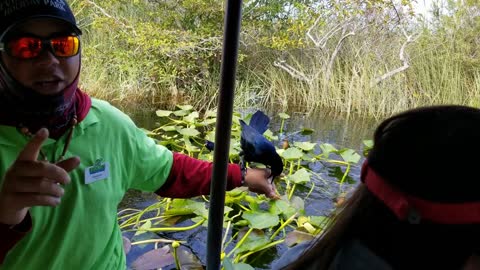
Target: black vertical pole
{"points": [[233, 16]]}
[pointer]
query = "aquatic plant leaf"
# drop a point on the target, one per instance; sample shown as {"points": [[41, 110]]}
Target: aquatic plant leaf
{"points": [[188, 261], [319, 221], [191, 132], [228, 264], [210, 136], [327, 149], [162, 113], [242, 266], [309, 227], [210, 113], [189, 146], [191, 117], [339, 174], [241, 223], [301, 176], [282, 207], [235, 197], [292, 153], [127, 245], [269, 135], [169, 221], [181, 112], [307, 131], [188, 206], [185, 107], [261, 220], [210, 121], [349, 155], [235, 119], [297, 237], [198, 219], [368, 143], [305, 146], [183, 207], [298, 203], [169, 128], [284, 115], [154, 259], [145, 226], [255, 240]]}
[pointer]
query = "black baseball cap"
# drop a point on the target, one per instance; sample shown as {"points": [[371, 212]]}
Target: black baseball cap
{"points": [[15, 12]]}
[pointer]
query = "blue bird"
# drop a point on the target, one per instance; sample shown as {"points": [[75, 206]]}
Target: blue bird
{"points": [[209, 145], [256, 148]]}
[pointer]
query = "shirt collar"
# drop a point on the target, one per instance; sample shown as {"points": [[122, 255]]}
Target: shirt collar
{"points": [[10, 136]]}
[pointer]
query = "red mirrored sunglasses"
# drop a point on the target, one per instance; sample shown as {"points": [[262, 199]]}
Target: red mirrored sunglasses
{"points": [[31, 47]]}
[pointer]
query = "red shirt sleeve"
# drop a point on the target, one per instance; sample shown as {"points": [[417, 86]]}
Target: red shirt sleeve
{"points": [[11, 236], [190, 177]]}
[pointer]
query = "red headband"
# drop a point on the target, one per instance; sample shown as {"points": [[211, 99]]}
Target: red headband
{"points": [[412, 208]]}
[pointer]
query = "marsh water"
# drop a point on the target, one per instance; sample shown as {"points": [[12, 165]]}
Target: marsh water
{"points": [[339, 130]]}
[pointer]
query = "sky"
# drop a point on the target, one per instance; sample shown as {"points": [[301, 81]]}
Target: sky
{"points": [[423, 7]]}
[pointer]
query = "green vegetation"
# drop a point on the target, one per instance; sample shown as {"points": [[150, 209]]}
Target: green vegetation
{"points": [[368, 57], [253, 223]]}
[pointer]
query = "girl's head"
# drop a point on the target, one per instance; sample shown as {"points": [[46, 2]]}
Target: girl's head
{"points": [[429, 156]]}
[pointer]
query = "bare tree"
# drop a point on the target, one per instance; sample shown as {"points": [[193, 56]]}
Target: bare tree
{"points": [[403, 58]]}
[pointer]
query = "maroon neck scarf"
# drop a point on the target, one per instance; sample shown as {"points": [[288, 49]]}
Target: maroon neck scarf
{"points": [[23, 107]]}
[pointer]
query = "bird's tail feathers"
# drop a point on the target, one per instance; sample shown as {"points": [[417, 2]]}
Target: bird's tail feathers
{"points": [[259, 121]]}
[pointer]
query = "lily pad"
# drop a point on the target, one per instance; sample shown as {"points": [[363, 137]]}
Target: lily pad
{"points": [[210, 113], [327, 149], [297, 237], [307, 131], [269, 135], [292, 153], [154, 259], [162, 113], [185, 107], [282, 207], [305, 146], [261, 220], [188, 261], [210, 121], [349, 155], [191, 117], [255, 240], [298, 203], [181, 112], [338, 173], [169, 128], [319, 221], [191, 132], [144, 227], [229, 265], [301, 176], [368, 143]]}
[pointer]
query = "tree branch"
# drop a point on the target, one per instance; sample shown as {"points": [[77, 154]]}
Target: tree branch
{"points": [[292, 71]]}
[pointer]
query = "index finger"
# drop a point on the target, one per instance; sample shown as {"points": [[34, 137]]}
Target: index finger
{"points": [[32, 148]]}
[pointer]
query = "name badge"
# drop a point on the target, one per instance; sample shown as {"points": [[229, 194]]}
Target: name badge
{"points": [[99, 171]]}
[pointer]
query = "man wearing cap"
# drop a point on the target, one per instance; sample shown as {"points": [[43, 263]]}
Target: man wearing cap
{"points": [[66, 160]]}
